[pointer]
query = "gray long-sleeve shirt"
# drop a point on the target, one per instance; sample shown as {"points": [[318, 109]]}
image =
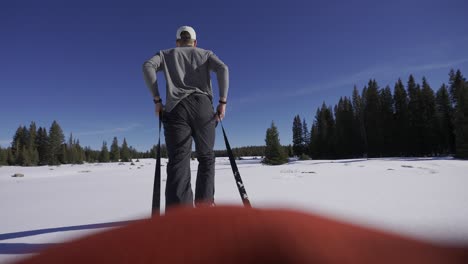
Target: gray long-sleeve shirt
{"points": [[187, 71]]}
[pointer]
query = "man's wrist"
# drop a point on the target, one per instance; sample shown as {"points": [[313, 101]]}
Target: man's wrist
{"points": [[221, 101], [157, 100]]}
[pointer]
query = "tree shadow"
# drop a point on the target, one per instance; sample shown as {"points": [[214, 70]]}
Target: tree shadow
{"points": [[25, 248]]}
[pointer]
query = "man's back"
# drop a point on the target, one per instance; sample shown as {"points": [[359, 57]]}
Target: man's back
{"points": [[187, 71]]}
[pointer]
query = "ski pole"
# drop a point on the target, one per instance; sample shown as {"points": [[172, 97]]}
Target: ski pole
{"points": [[235, 170], [156, 205]]}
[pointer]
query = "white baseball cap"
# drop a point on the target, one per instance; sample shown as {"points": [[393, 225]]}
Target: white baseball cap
{"points": [[189, 29]]}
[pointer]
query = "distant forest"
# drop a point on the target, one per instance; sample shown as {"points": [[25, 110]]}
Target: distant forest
{"points": [[38, 146], [32, 146], [410, 121]]}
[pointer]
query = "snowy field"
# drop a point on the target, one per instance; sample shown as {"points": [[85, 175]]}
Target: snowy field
{"points": [[421, 198]]}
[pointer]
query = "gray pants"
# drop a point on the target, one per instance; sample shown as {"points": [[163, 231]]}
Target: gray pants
{"points": [[193, 118]]}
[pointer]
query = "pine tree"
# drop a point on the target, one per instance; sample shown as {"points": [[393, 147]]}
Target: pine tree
{"points": [[19, 140], [344, 124], [340, 129], [134, 153], [56, 139], [71, 150], [115, 151], [32, 146], [17, 152], [80, 154], [317, 140], [63, 157], [428, 121], [152, 152], [290, 152], [20, 149], [274, 152], [314, 141], [42, 142], [297, 136], [371, 107], [10, 157], [25, 157], [444, 116], [91, 156], [401, 138], [386, 122], [32, 136], [3, 156], [415, 118], [358, 131], [104, 155], [457, 83], [164, 153], [459, 95], [305, 137], [125, 152], [323, 136], [462, 132], [34, 157]]}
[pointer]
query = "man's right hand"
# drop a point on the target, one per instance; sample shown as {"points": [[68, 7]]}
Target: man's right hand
{"points": [[158, 105], [158, 109]]}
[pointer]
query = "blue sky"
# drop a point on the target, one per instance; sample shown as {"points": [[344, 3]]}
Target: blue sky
{"points": [[80, 62]]}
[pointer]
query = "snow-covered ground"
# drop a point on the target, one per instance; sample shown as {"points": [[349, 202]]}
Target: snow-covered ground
{"points": [[424, 198]]}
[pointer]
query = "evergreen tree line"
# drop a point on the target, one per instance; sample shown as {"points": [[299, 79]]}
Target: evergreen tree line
{"points": [[411, 121], [50, 148], [150, 153], [248, 151], [38, 146], [117, 153]]}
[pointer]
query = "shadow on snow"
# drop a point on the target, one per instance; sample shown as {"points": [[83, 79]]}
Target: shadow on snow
{"points": [[24, 248]]}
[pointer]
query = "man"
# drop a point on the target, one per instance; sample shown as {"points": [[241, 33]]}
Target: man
{"points": [[188, 114]]}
